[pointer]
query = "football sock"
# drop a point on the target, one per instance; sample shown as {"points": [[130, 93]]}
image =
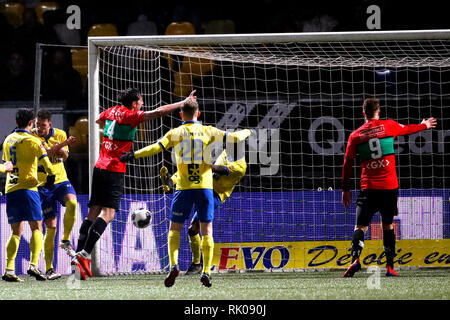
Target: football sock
{"points": [[208, 250], [69, 218], [12, 246], [84, 230], [95, 232], [173, 241], [357, 244], [35, 246], [389, 246], [49, 245], [195, 243]]}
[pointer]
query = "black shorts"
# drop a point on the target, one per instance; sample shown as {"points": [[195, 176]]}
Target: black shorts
{"points": [[370, 201], [107, 189]]}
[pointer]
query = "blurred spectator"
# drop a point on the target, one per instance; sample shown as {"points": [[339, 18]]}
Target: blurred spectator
{"points": [[58, 23], [320, 22], [6, 31], [60, 81], [16, 82], [31, 32], [142, 27]]}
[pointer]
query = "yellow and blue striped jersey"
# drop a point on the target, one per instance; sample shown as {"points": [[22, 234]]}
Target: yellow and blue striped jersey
{"points": [[192, 143], [56, 136], [24, 151], [224, 185]]}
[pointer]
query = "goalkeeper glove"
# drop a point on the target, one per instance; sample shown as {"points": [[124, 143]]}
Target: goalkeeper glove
{"points": [[127, 156], [50, 181], [40, 168]]}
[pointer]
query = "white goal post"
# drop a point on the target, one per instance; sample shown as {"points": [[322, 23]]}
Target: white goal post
{"points": [[302, 91]]}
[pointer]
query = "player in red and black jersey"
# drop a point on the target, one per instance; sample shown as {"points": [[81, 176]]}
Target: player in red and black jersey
{"points": [[373, 142], [120, 125]]}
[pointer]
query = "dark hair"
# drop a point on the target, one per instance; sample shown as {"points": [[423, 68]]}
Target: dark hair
{"points": [[44, 114], [370, 106], [128, 96], [189, 108], [23, 117]]}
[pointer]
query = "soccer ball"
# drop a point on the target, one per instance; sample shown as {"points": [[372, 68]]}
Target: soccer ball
{"points": [[141, 218]]}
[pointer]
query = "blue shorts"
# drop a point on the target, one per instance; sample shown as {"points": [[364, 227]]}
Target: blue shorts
{"points": [[23, 205], [217, 203], [49, 196], [184, 200]]}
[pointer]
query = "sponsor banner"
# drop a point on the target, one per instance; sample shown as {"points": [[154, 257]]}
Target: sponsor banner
{"points": [[327, 254]]}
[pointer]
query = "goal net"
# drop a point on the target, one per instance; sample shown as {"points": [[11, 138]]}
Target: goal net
{"points": [[303, 94]]}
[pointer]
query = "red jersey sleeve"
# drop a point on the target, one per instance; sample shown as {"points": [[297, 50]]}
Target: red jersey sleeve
{"points": [[133, 118], [396, 129]]}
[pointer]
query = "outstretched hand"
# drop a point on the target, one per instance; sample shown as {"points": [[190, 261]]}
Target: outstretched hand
{"points": [[430, 122], [127, 156], [191, 97]]}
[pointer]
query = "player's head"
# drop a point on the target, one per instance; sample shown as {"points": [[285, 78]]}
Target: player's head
{"points": [[43, 122], [131, 98], [24, 118], [189, 111], [371, 108]]}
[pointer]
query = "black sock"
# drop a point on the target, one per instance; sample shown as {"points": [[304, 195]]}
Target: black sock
{"points": [[95, 232], [357, 244], [389, 247], [84, 229]]}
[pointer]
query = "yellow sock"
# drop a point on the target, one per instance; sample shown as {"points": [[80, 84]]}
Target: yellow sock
{"points": [[35, 246], [173, 241], [195, 242], [49, 246], [69, 218], [12, 246], [208, 251]]}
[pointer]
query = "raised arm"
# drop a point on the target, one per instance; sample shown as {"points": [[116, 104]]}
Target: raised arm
{"points": [[59, 150], [166, 109]]}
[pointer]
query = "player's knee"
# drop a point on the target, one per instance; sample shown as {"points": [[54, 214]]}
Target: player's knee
{"points": [[71, 204], [193, 230]]}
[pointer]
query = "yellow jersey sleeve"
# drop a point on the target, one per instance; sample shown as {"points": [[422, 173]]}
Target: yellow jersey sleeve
{"points": [[56, 136], [24, 151], [225, 184]]}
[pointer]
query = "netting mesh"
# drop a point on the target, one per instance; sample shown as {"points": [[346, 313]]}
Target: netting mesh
{"points": [[304, 99]]}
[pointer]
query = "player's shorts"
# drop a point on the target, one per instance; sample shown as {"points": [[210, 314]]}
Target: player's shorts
{"points": [[50, 196], [23, 205], [370, 201], [107, 189], [217, 203], [184, 200]]}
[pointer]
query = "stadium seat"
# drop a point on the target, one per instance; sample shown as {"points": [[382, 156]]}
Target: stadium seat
{"points": [[220, 27], [82, 125], [13, 12], [180, 28], [80, 63], [45, 6], [190, 67], [77, 146], [102, 30]]}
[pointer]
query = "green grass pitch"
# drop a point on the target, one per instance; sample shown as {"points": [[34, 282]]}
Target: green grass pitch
{"points": [[421, 284]]}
